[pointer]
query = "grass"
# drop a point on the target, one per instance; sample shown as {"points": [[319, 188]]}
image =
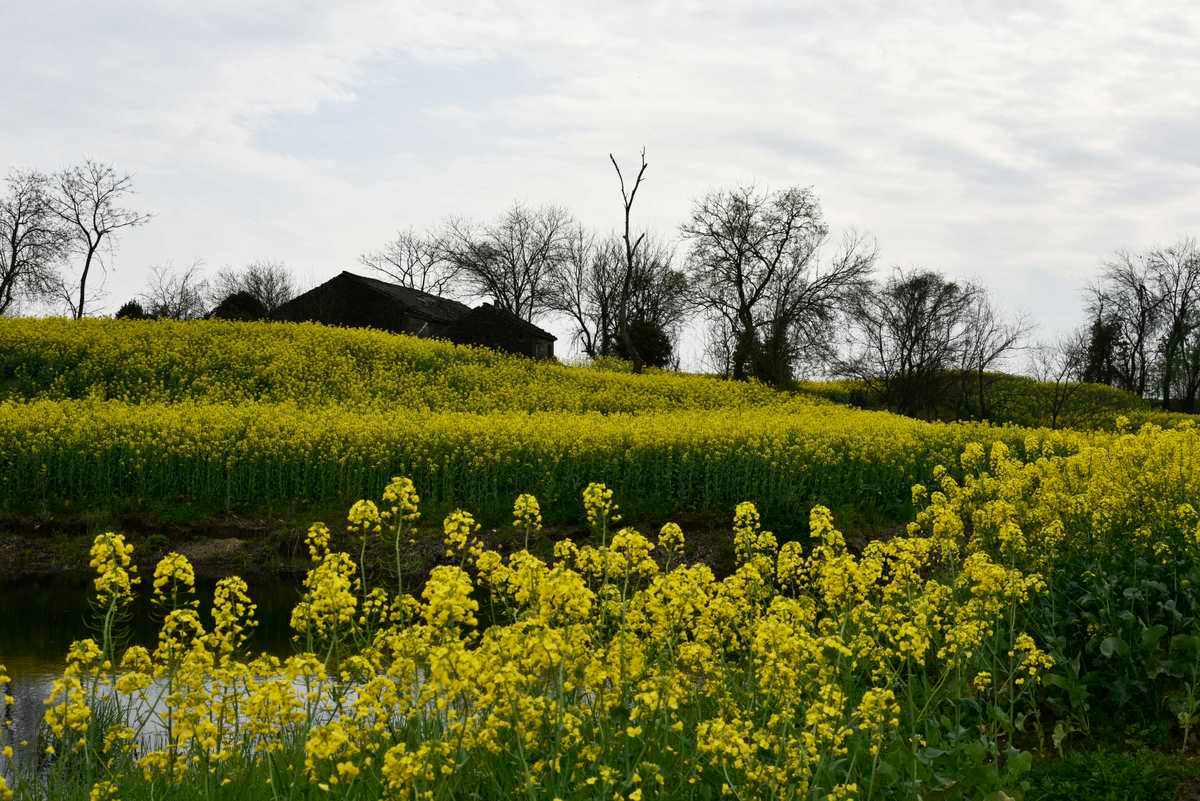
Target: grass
{"points": [[1114, 776]]}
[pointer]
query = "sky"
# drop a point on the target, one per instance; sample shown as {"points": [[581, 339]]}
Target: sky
{"points": [[1018, 144]]}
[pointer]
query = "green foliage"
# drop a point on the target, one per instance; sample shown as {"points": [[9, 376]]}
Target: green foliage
{"points": [[652, 343], [269, 458], [1108, 776], [131, 310], [1017, 400]]}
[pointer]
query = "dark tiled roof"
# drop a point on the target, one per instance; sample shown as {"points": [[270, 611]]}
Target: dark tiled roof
{"points": [[421, 304], [493, 315]]}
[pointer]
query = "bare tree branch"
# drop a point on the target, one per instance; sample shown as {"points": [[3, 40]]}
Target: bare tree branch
{"points": [[631, 249], [31, 239], [176, 294], [513, 260], [417, 261], [1060, 365], [906, 336], [87, 199], [267, 281], [755, 264]]}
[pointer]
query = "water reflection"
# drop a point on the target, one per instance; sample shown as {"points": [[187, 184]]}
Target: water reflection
{"points": [[40, 618]]}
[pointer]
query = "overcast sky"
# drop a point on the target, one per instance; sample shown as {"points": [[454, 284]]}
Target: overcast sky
{"points": [[1013, 143]]}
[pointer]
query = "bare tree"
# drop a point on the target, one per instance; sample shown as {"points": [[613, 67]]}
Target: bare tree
{"points": [[631, 252], [88, 199], [1189, 378], [1060, 366], [32, 239], [267, 281], [754, 263], [1126, 301], [806, 302], [989, 338], [176, 294], [720, 342], [584, 289], [1175, 277], [588, 287], [415, 260], [513, 260], [906, 336], [658, 302]]}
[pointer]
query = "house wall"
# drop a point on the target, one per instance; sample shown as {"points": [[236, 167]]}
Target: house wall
{"points": [[491, 333]]}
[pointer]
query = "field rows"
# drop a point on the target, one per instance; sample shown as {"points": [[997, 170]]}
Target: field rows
{"points": [[257, 456]]}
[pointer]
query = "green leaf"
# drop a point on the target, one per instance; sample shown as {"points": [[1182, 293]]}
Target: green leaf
{"points": [[1110, 646], [1060, 734], [1152, 634]]}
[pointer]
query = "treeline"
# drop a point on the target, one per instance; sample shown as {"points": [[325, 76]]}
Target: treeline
{"points": [[758, 271], [58, 230], [1144, 329], [775, 294], [251, 292]]}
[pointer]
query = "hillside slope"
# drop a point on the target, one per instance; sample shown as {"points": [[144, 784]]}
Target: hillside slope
{"points": [[1023, 401], [313, 365]]}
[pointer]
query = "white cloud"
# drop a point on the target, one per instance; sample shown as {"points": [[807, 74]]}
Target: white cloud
{"points": [[1019, 144]]}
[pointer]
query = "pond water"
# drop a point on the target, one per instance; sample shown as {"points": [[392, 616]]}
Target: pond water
{"points": [[40, 618]]}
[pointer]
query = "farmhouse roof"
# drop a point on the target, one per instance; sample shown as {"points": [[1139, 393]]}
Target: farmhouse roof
{"points": [[420, 304]]}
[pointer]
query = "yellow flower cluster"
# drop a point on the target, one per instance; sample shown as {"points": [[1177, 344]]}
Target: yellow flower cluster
{"points": [[116, 575], [599, 507], [233, 616], [251, 455], [612, 666], [459, 531], [401, 501], [6, 749], [317, 541], [1113, 499], [212, 361], [104, 791], [330, 598], [174, 576], [364, 519]]}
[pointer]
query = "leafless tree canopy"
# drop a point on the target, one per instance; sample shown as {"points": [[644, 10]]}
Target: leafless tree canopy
{"points": [[31, 239], [176, 293], [1060, 365], [88, 200], [988, 338], [267, 281], [513, 260], [1175, 272], [584, 288], [754, 264], [415, 260], [907, 336], [1125, 300], [658, 292], [1145, 329], [588, 289], [719, 346]]}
